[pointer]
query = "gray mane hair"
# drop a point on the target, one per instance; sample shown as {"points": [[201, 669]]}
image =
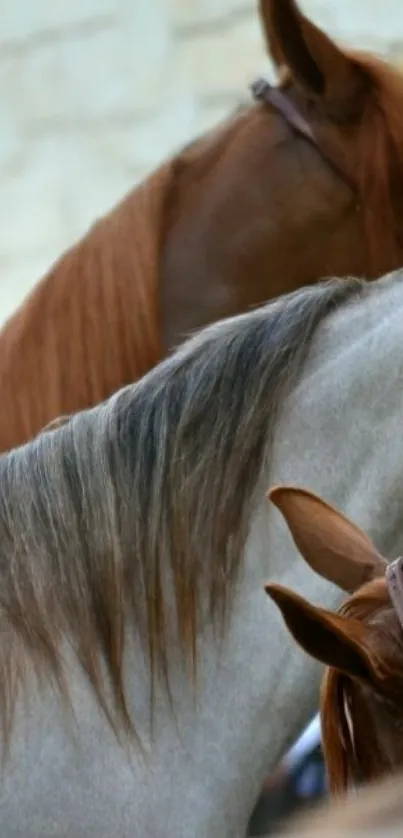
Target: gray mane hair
{"points": [[157, 482]]}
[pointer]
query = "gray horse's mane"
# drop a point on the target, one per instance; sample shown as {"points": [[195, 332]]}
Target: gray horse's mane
{"points": [[135, 513]]}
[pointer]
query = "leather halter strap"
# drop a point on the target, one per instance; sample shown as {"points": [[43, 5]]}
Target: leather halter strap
{"points": [[263, 91]]}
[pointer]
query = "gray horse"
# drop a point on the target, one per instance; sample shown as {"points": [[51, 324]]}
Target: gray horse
{"points": [[146, 681]]}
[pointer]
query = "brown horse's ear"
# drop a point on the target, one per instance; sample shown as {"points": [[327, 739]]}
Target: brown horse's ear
{"points": [[329, 638], [315, 62], [333, 546]]}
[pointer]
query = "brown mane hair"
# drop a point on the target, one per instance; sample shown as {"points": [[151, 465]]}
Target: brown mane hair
{"points": [[92, 325], [370, 605]]}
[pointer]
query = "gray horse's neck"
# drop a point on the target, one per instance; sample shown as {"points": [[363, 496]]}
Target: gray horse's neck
{"points": [[338, 434]]}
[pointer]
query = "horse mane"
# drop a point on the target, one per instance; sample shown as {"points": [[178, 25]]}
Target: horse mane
{"points": [[61, 345], [369, 603], [136, 512], [108, 282]]}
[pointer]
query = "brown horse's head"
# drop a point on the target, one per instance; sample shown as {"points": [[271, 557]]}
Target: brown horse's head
{"points": [[361, 645], [256, 208]]}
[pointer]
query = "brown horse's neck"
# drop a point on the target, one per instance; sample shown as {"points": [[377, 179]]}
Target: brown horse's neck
{"points": [[91, 325]]}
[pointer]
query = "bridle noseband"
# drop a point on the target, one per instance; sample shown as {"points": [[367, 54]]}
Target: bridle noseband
{"points": [[263, 91]]}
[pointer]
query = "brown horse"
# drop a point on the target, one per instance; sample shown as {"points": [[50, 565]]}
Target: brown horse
{"points": [[305, 183], [361, 645]]}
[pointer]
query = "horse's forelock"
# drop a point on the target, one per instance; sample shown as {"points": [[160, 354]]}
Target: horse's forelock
{"points": [[337, 741], [343, 699]]}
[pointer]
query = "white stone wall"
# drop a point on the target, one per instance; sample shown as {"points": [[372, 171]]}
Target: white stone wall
{"points": [[94, 93]]}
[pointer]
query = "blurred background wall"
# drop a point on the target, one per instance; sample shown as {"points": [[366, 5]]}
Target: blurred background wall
{"points": [[94, 93]]}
